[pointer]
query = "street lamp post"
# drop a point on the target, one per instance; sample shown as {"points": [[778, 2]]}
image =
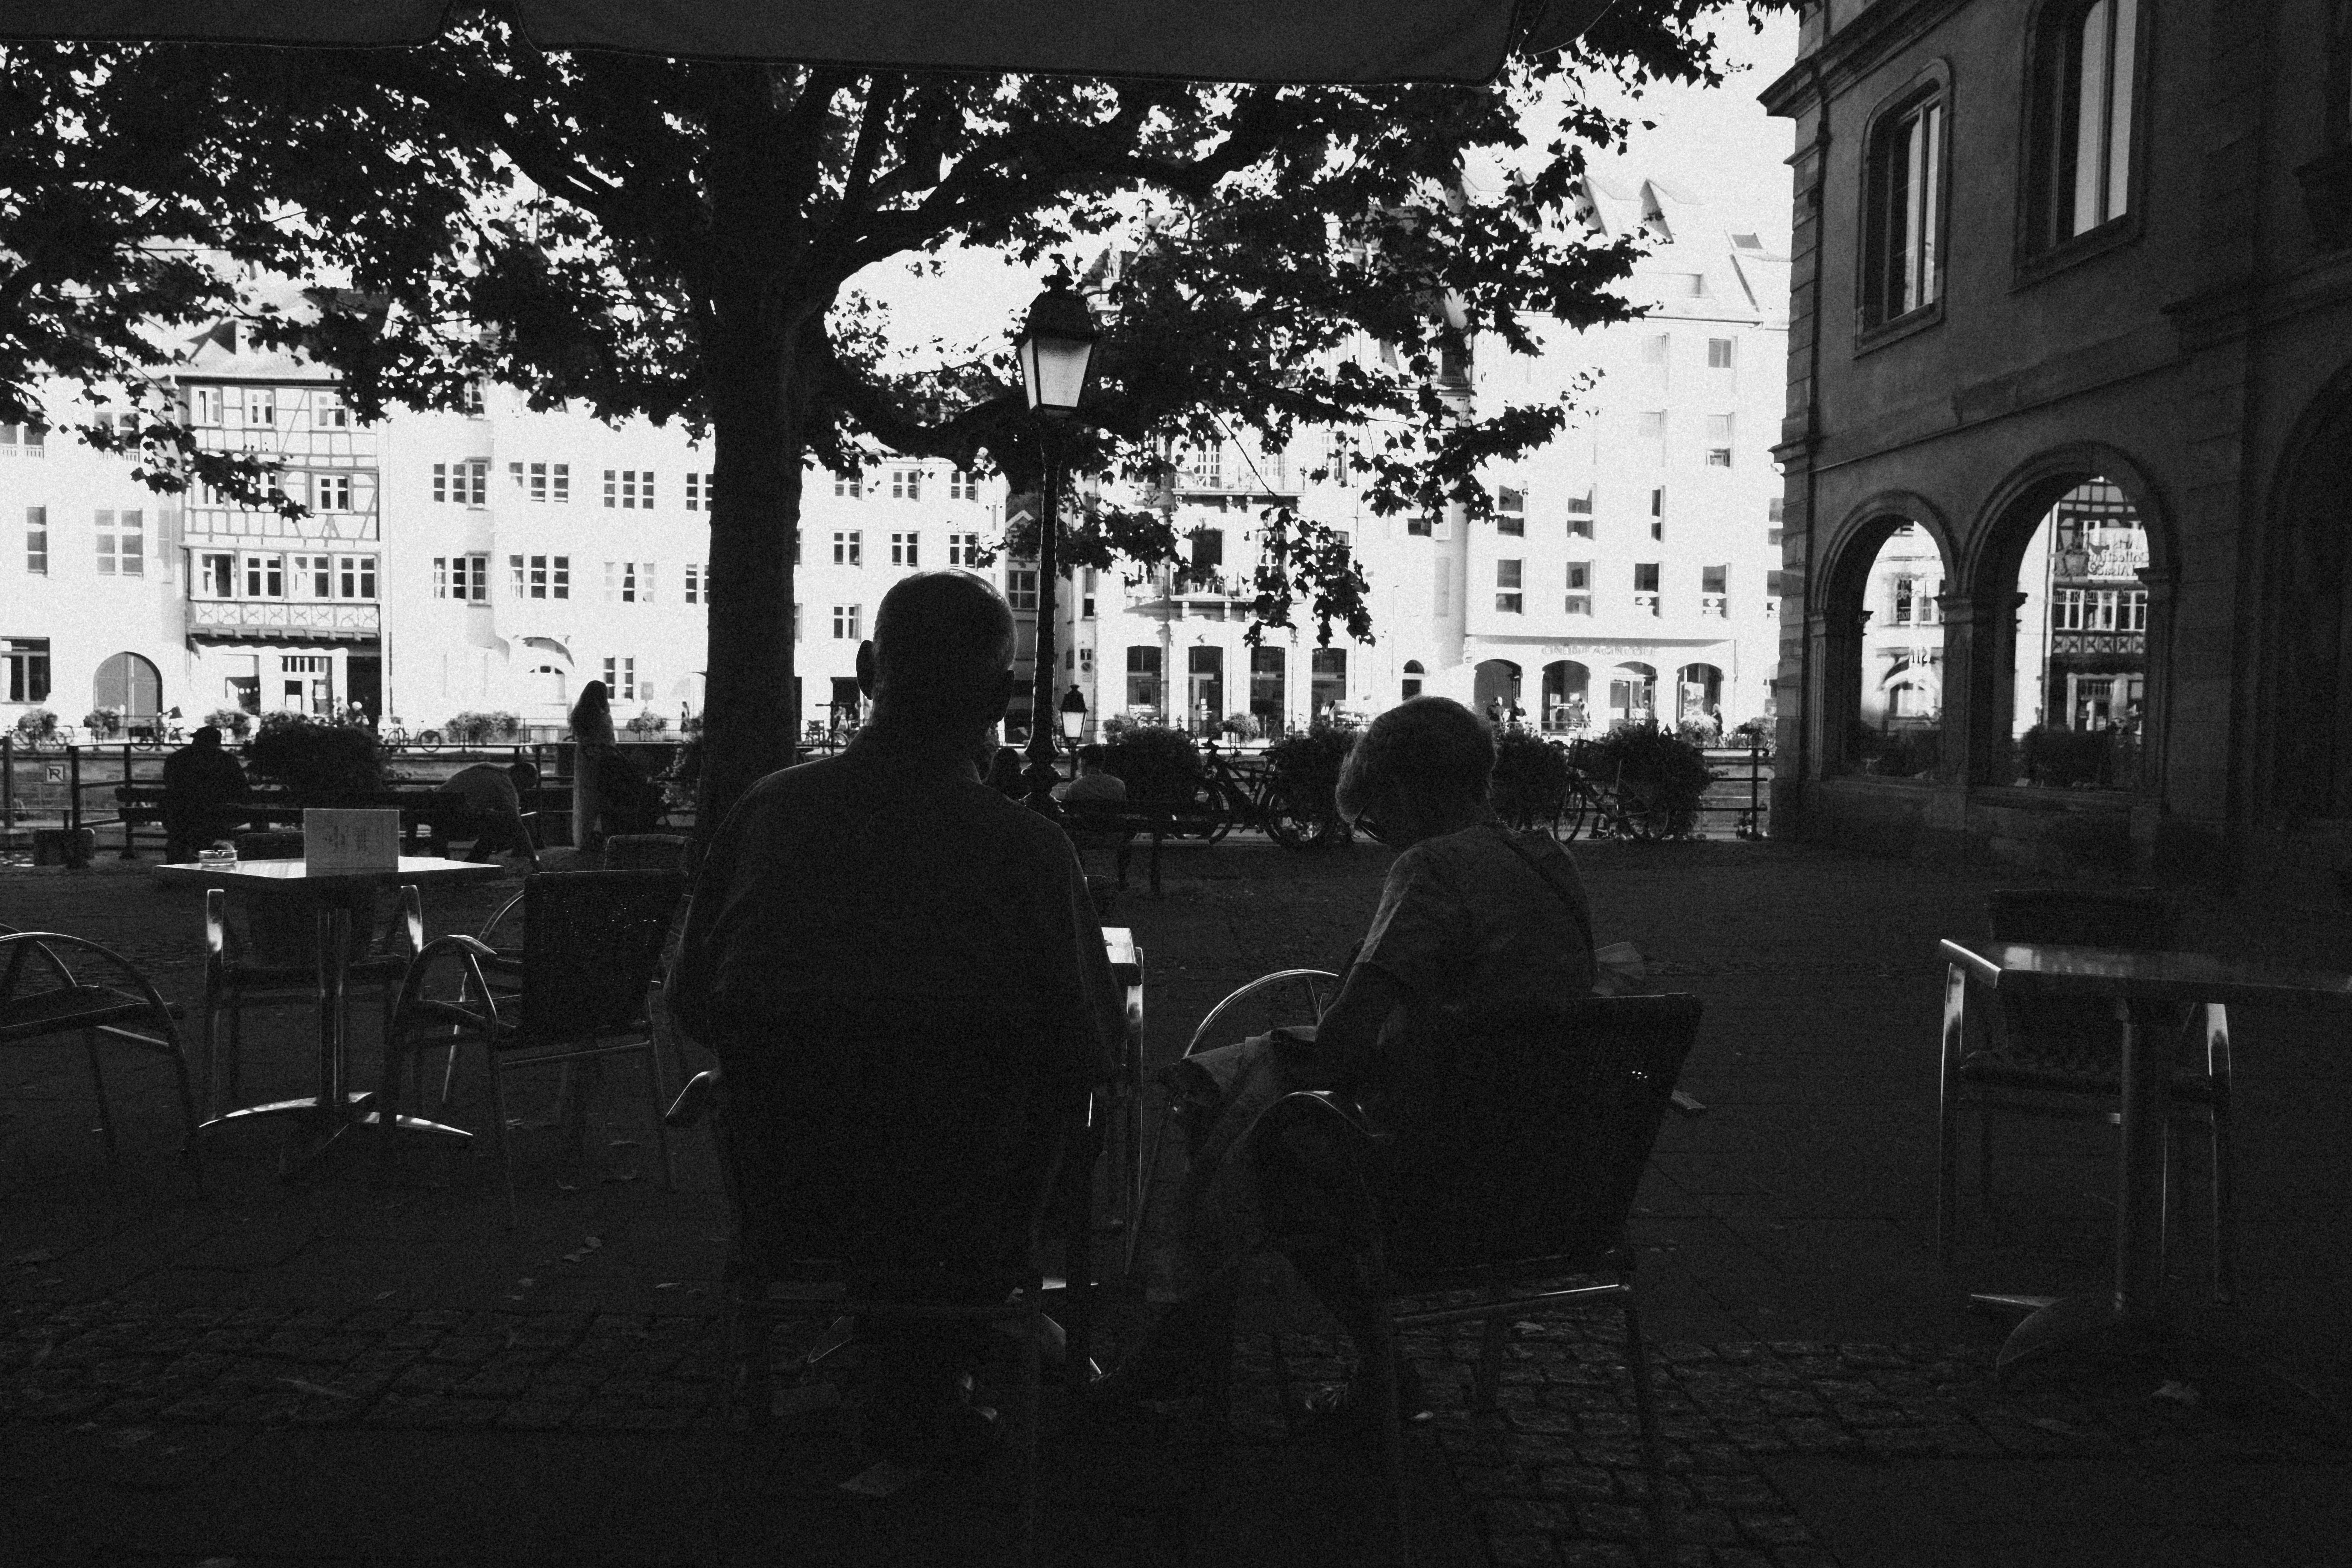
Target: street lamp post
{"points": [[1056, 347]]}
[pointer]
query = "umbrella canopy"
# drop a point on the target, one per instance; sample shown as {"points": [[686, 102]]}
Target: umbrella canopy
{"points": [[1211, 41]]}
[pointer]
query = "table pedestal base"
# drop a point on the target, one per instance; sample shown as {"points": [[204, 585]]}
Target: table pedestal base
{"points": [[326, 1125], [2072, 1322]]}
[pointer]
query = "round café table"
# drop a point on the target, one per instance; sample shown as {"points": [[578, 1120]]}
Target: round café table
{"points": [[331, 897]]}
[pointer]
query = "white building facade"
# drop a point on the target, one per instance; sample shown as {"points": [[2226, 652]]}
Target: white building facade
{"points": [[496, 560]]}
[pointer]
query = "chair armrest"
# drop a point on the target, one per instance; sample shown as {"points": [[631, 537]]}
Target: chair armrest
{"points": [[1313, 977], [469, 951], [1329, 1104], [45, 941]]}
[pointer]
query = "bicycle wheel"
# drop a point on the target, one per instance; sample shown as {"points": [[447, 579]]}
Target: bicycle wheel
{"points": [[1216, 797], [1286, 823]]}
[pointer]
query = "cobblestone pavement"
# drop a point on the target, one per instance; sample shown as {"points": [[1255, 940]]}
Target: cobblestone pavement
{"points": [[1552, 1478], [1788, 1279]]}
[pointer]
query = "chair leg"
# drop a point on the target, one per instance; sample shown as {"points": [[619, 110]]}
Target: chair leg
{"points": [[498, 1121], [1033, 1377], [1661, 1544], [187, 1107], [210, 1034], [98, 1084], [2225, 1204], [235, 1085], [1383, 1353], [1947, 1176], [1486, 1381]]}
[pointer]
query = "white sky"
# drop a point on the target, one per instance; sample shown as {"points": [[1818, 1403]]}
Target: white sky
{"points": [[1718, 147]]}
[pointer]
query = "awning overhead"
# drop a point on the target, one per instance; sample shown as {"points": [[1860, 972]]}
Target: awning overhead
{"points": [[1216, 40], [548, 645]]}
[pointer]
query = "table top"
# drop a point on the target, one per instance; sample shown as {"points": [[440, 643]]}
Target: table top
{"points": [[2050, 969], [290, 874], [1118, 944]]}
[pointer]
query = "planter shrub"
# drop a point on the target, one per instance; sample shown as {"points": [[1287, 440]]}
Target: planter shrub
{"points": [[316, 761], [1306, 764], [38, 726], [1159, 765], [481, 728], [1530, 777], [1668, 773], [235, 723]]}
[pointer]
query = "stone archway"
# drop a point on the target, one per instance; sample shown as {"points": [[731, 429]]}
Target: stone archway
{"points": [[1497, 681], [1853, 637], [2002, 631], [2302, 716]]}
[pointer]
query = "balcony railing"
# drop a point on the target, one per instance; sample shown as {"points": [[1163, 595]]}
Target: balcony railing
{"points": [[283, 620]]}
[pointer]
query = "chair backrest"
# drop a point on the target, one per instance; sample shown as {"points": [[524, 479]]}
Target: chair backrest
{"points": [[1534, 1135], [591, 940], [890, 1134], [644, 852]]}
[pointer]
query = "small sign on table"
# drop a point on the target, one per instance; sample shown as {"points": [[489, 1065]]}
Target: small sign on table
{"points": [[335, 840]]}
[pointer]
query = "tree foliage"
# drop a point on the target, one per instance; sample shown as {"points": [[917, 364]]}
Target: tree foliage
{"points": [[679, 240]]}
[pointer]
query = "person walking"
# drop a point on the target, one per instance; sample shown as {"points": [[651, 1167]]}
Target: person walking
{"points": [[593, 743]]}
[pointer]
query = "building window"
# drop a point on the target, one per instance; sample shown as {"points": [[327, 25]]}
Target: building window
{"points": [[904, 548], [1654, 350], [1508, 583], [1657, 514], [465, 577], [1645, 587], [26, 668], [963, 485], [906, 484], [629, 582], [1719, 440], [1650, 428], [1718, 353], [845, 618], [1142, 677], [693, 583], [462, 484], [697, 488], [543, 481], [469, 399], [621, 680], [312, 576], [328, 411], [1714, 591], [2086, 79], [1511, 510], [355, 577], [1087, 596], [37, 540], [541, 577], [850, 486], [1421, 525], [1903, 213], [963, 550], [205, 406], [330, 492], [849, 548], [1021, 588], [265, 576], [121, 545], [215, 576], [631, 490]]}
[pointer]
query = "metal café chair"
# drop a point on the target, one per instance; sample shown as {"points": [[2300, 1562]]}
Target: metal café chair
{"points": [[42, 998], [2063, 1057], [577, 990], [1519, 1178], [269, 957], [1286, 996]]}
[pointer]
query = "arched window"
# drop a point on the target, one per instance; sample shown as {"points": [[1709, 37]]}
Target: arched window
{"points": [[1567, 691], [1413, 674], [2081, 668], [1498, 683], [130, 684], [1903, 209]]}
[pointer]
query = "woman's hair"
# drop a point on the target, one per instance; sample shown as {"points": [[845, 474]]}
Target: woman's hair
{"points": [[1429, 749], [591, 700]]}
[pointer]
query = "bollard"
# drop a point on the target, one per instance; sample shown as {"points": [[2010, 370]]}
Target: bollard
{"points": [[7, 781], [73, 788]]}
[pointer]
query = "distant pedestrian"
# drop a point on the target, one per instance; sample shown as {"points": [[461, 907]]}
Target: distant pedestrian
{"points": [[493, 797], [1004, 774], [1495, 711], [202, 786], [593, 743]]}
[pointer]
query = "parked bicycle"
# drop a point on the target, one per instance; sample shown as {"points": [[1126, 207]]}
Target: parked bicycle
{"points": [[1251, 793]]}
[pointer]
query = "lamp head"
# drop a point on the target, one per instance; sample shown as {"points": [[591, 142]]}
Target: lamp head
{"points": [[1073, 708], [1056, 349]]}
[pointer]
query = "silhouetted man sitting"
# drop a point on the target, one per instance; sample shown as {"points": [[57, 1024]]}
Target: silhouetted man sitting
{"points": [[201, 787], [904, 984]]}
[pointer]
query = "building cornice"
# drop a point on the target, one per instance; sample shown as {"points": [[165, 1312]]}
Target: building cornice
{"points": [[1849, 53]]}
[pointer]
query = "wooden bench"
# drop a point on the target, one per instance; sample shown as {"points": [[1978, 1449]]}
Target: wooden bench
{"points": [[1129, 820], [429, 819]]}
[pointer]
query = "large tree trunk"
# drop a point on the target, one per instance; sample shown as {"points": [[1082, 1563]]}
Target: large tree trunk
{"points": [[760, 396]]}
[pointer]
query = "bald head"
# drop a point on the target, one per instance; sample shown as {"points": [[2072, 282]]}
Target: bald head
{"points": [[943, 651]]}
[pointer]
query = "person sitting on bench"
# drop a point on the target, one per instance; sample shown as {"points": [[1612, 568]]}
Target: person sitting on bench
{"points": [[202, 788]]}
